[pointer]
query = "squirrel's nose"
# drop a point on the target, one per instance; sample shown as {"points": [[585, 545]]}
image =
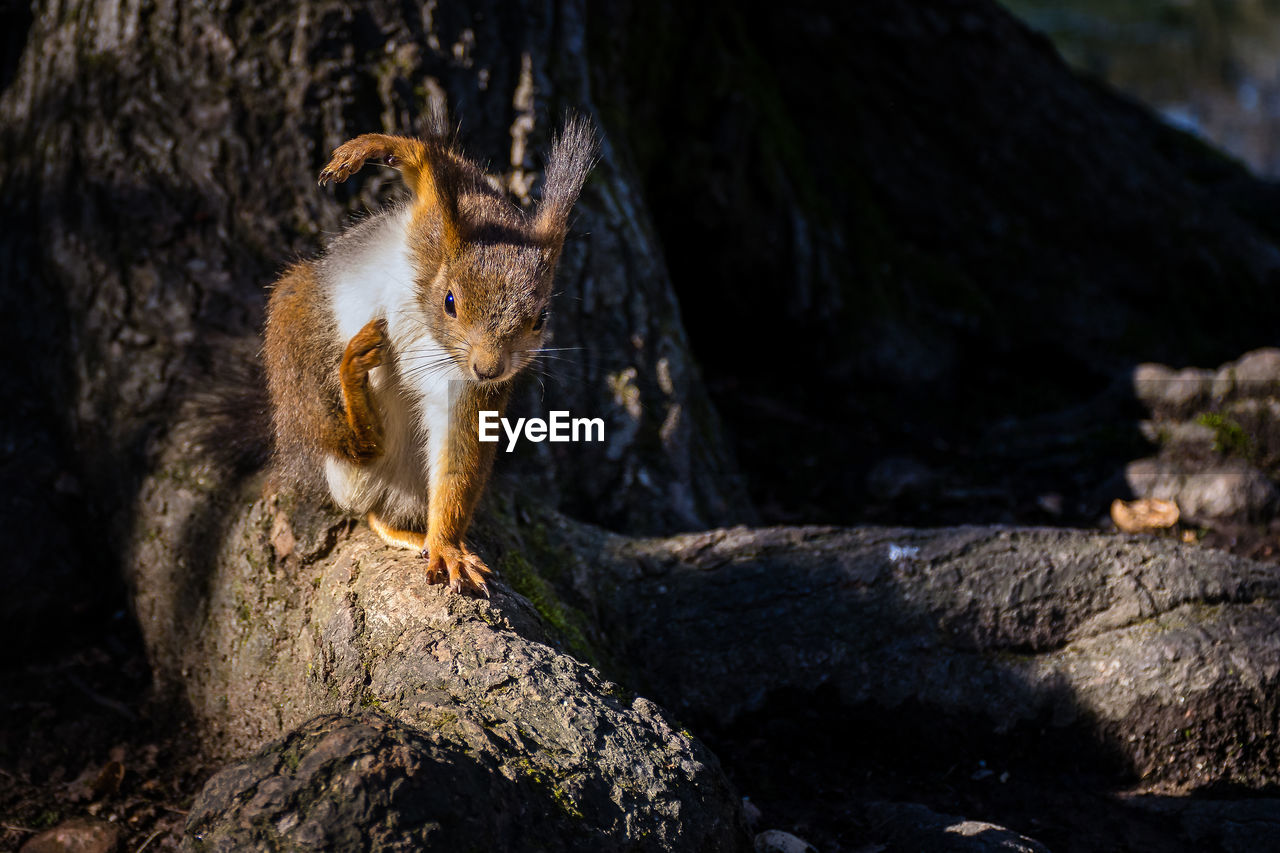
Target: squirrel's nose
{"points": [[490, 368]]}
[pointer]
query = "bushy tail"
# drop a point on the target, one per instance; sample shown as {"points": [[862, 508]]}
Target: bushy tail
{"points": [[226, 413]]}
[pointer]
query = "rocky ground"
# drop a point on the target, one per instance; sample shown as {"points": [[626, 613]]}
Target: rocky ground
{"points": [[83, 742]]}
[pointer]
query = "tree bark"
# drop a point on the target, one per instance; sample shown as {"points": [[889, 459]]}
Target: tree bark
{"points": [[441, 787], [486, 719], [1164, 654]]}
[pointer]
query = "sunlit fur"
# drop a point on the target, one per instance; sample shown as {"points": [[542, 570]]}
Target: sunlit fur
{"points": [[402, 445]]}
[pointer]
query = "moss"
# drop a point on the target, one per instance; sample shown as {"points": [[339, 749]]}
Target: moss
{"points": [[536, 562], [440, 720], [569, 623], [487, 617], [252, 557], [617, 691], [1229, 438], [564, 802]]}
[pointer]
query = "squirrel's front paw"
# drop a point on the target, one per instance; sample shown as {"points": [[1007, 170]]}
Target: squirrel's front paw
{"points": [[365, 350], [464, 571]]}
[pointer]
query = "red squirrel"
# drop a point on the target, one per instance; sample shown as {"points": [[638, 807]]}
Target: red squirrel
{"points": [[381, 354]]}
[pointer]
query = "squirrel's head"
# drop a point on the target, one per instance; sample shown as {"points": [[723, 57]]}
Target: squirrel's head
{"points": [[484, 267]]}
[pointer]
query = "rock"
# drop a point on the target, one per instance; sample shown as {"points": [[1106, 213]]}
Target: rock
{"points": [[1224, 383], [1172, 393], [1257, 374], [1217, 457], [369, 783], [1229, 489], [777, 841], [78, 835], [908, 826], [1180, 437], [1258, 433]]}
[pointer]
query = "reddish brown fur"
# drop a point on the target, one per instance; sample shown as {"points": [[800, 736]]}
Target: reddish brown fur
{"points": [[466, 465], [363, 441], [497, 262], [302, 362]]}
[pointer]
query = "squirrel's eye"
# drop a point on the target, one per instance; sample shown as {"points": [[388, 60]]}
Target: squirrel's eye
{"points": [[449, 307], [540, 322]]}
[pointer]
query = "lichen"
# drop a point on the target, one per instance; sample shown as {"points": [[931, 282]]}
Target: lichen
{"points": [[567, 805]]}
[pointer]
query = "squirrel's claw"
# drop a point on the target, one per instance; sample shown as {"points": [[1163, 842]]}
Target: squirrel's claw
{"points": [[335, 172], [462, 570]]}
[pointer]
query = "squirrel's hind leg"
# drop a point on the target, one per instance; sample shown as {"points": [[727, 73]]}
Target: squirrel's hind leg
{"points": [[407, 539], [462, 570]]}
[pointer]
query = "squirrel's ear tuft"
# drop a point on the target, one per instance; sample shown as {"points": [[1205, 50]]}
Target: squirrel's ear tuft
{"points": [[573, 154]]}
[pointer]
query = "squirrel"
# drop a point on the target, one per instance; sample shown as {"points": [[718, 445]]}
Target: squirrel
{"points": [[381, 354]]}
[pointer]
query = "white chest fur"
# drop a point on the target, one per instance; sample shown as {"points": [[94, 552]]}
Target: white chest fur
{"points": [[369, 275]]}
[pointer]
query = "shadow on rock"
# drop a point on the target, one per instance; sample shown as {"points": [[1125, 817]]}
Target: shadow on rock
{"points": [[368, 783]]}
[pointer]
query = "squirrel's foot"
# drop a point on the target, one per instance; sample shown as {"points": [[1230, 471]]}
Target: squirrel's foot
{"points": [[351, 155], [460, 568]]}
